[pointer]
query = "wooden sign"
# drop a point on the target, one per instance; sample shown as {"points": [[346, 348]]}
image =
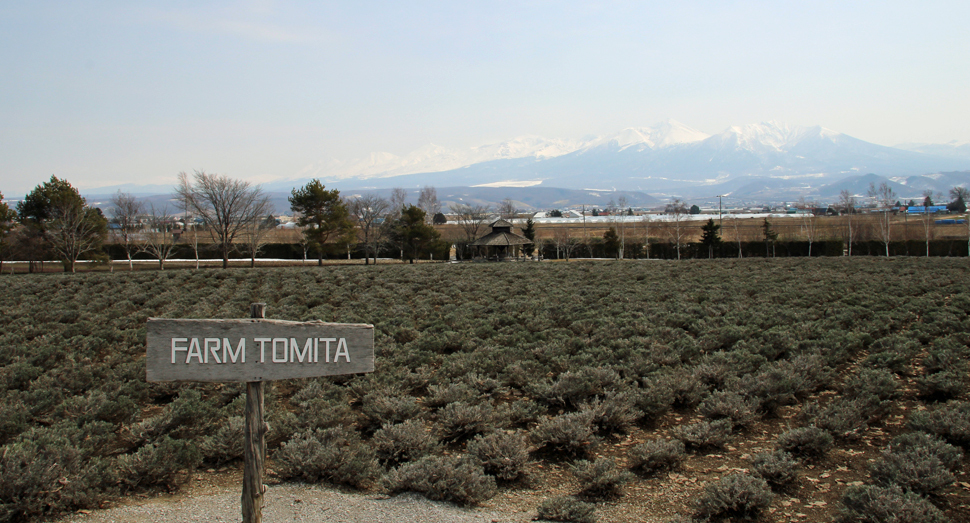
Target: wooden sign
{"points": [[251, 350]]}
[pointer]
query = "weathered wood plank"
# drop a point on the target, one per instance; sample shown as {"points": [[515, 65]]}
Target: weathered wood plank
{"points": [[254, 453], [247, 350], [254, 450]]}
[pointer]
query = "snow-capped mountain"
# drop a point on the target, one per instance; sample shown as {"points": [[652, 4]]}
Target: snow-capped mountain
{"points": [[435, 158], [770, 137], [661, 135], [666, 158], [767, 161]]}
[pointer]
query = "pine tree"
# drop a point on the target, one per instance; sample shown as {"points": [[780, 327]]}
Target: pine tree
{"points": [[770, 237], [612, 242], [56, 213], [7, 217], [412, 233], [323, 216], [529, 232], [711, 237]]}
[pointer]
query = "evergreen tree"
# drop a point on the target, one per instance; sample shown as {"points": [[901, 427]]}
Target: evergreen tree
{"points": [[7, 217], [323, 216], [711, 236], [412, 233], [770, 237], [57, 213], [529, 232], [611, 241]]}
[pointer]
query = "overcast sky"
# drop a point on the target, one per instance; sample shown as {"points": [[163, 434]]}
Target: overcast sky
{"points": [[102, 93]]}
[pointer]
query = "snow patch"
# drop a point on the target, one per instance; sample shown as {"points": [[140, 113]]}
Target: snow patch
{"points": [[796, 176], [771, 136], [661, 135], [511, 183]]}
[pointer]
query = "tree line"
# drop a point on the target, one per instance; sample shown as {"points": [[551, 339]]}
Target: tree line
{"points": [[853, 226], [54, 222]]}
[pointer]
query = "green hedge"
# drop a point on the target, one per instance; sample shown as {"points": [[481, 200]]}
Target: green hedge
{"points": [[595, 249]]}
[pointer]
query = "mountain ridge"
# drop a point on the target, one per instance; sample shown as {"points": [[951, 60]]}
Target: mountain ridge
{"points": [[767, 160], [662, 157]]}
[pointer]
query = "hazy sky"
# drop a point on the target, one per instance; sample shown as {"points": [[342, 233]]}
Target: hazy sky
{"points": [[102, 93]]}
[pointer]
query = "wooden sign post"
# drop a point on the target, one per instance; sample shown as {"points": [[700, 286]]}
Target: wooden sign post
{"points": [[254, 351]]}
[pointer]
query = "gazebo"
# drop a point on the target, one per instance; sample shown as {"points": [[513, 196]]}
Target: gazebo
{"points": [[501, 242]]}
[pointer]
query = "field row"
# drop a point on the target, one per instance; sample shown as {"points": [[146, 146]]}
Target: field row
{"points": [[507, 378]]}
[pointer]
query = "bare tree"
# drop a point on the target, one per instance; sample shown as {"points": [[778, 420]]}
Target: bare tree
{"points": [[737, 234], [186, 222], [257, 236], [74, 231], [927, 219], [472, 219], [305, 245], [847, 205], [619, 222], [961, 195], [428, 202], [507, 209], [564, 242], [810, 229], [398, 198], [125, 209], [158, 239], [369, 210], [884, 196], [646, 234], [227, 207], [676, 229], [195, 239], [966, 218], [586, 242]]}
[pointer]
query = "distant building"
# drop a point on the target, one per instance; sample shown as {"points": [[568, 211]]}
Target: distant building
{"points": [[932, 209], [501, 242]]}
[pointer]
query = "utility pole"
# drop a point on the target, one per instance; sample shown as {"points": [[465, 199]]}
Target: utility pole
{"points": [[586, 234]]}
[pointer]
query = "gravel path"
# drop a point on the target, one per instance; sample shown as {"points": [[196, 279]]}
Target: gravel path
{"points": [[289, 502]]}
